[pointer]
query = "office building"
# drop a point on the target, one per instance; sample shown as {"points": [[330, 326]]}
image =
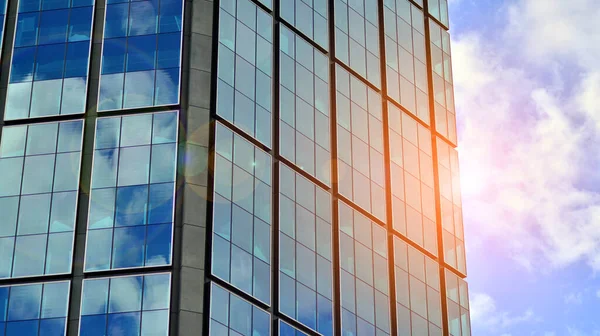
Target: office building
{"points": [[237, 167]]}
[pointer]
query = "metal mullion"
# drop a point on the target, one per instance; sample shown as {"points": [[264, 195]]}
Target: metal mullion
{"points": [[304, 36], [357, 75], [237, 131], [440, 230], [275, 164]]}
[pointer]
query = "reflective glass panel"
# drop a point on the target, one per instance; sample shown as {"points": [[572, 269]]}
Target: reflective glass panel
{"points": [[418, 297], [287, 330], [130, 305], [457, 299], [304, 135], [230, 314], [40, 166], [245, 67], [413, 201], [305, 261], [141, 54], [51, 54], [443, 88], [309, 17], [130, 222], [406, 57], [451, 206], [439, 10], [364, 274], [241, 249], [34, 309], [357, 37], [360, 144]]}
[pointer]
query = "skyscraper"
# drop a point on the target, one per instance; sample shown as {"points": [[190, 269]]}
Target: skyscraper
{"points": [[239, 167]]}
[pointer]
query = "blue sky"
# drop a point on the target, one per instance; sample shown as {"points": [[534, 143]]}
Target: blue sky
{"points": [[527, 77]]}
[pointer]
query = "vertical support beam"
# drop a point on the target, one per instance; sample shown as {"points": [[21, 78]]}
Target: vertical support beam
{"points": [[436, 176], [335, 227], [195, 186], [388, 179], [275, 172]]}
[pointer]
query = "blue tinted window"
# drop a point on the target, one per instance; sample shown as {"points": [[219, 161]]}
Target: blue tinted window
{"points": [[141, 54], [245, 65], [130, 222], [230, 313], [360, 144], [25, 309], [40, 165], [304, 104], [131, 305], [50, 59], [305, 264], [308, 17], [364, 274], [243, 184], [357, 37]]}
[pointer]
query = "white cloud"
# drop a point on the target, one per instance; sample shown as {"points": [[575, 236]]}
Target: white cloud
{"points": [[574, 298], [528, 109], [484, 313]]}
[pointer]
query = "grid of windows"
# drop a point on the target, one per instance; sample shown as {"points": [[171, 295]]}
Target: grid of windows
{"points": [[287, 330], [451, 206], [411, 163], [457, 299], [245, 65], [439, 10], [130, 220], [241, 245], [40, 170], [361, 176], [364, 274], [309, 17], [305, 255], [231, 315], [129, 305], [141, 54], [357, 37], [36, 309], [50, 58], [443, 91], [418, 298], [304, 134], [406, 57]]}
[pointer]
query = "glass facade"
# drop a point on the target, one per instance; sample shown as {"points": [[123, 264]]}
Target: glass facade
{"points": [[141, 54], [309, 17], [361, 172], [418, 293], [245, 66], [411, 167], [451, 207], [232, 315], [364, 279], [130, 220], [357, 37], [457, 298], [305, 252], [40, 172], [34, 309], [406, 57], [270, 168], [304, 136], [51, 54], [128, 305], [443, 91], [241, 249]]}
